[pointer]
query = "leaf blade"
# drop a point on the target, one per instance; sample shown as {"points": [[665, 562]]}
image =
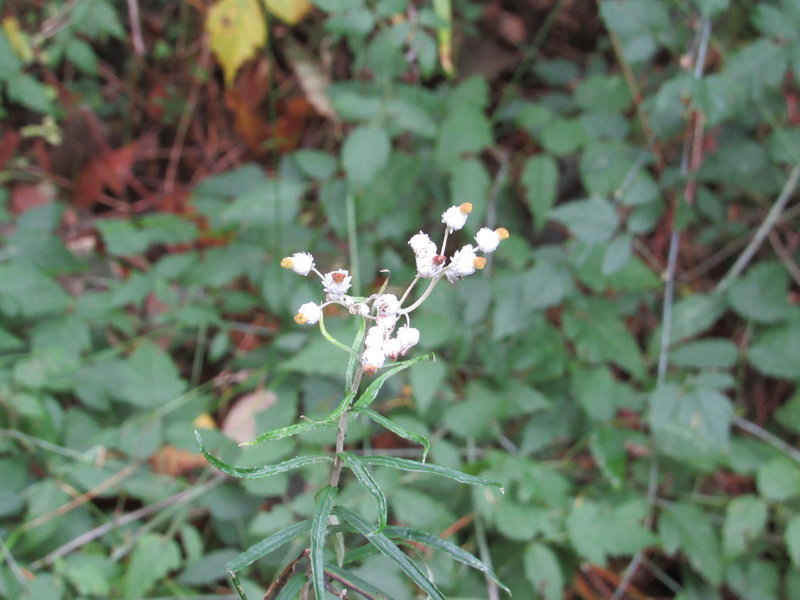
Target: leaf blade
{"points": [[418, 467], [267, 545], [372, 390], [365, 478], [319, 530], [404, 433]]}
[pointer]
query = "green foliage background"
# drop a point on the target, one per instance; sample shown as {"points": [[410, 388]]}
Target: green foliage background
{"points": [[547, 378]]}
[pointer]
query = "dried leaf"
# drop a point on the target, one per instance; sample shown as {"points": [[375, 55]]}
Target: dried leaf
{"points": [[237, 30], [240, 422], [174, 461], [312, 78], [110, 170]]}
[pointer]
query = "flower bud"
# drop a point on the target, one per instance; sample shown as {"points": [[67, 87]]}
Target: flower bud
{"points": [[392, 348], [420, 243], [308, 314], [408, 338], [387, 304], [488, 240], [299, 262], [374, 338]]}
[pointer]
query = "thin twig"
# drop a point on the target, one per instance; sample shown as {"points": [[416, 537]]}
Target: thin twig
{"points": [[690, 161], [123, 520], [12, 564], [766, 226], [766, 436]]}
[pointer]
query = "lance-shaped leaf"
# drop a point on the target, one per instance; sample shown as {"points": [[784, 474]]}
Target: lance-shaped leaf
{"points": [[319, 531], [290, 430], [292, 589], [459, 554], [353, 362], [259, 472], [402, 432], [267, 545], [365, 477], [372, 391], [338, 411], [389, 549], [418, 467]]}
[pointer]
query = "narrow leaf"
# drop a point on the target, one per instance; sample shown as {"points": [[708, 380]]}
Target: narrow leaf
{"points": [[354, 464], [418, 467], [319, 530], [292, 589], [267, 545], [404, 433], [290, 430], [338, 411], [353, 362], [372, 391], [388, 548], [354, 582], [459, 554], [259, 472]]}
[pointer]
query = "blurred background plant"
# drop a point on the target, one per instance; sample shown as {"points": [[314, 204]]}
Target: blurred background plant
{"points": [[627, 371]]}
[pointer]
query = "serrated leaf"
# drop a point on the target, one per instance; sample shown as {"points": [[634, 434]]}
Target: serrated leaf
{"points": [[456, 552], [745, 518], [365, 153], [386, 547], [237, 30], [259, 472], [418, 467], [151, 378], [543, 571], [268, 544], [372, 390], [686, 527], [540, 180], [397, 430], [365, 477], [762, 293], [319, 531]]}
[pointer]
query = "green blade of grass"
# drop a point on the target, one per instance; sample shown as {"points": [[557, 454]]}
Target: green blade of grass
{"points": [[418, 467]]}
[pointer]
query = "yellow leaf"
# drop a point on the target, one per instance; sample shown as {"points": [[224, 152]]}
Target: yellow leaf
{"points": [[290, 12], [237, 30], [18, 39]]}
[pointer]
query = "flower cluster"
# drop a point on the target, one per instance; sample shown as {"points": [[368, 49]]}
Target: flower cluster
{"points": [[383, 338]]}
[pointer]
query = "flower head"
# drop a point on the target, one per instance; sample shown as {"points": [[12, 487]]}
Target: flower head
{"points": [[463, 263], [420, 243], [372, 359], [299, 262], [308, 314], [408, 337], [336, 283], [392, 348], [488, 239], [387, 305], [375, 337], [455, 216]]}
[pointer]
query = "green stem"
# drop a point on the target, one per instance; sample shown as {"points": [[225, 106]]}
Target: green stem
{"points": [[333, 340], [352, 242]]}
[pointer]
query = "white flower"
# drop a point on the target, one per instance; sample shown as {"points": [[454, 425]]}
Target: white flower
{"points": [[392, 348], [421, 243], [387, 304], [386, 322], [463, 263], [488, 240], [372, 359], [308, 314], [336, 283], [408, 338], [374, 338], [299, 262], [455, 216]]}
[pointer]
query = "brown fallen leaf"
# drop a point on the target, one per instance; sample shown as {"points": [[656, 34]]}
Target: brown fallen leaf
{"points": [[240, 422]]}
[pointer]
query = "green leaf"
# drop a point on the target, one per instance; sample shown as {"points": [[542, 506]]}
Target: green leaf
{"points": [[80, 54], [268, 544], [540, 180], [365, 477], [792, 538], [597, 530], [397, 430], [762, 293], [563, 136], [153, 558], [315, 163], [456, 552], [353, 360], [690, 423], [745, 518], [685, 527], [208, 568], [290, 430], [151, 378], [608, 449], [372, 390], [29, 92], [259, 472], [319, 531], [603, 93], [779, 479], [352, 581], [27, 292], [694, 314], [543, 571], [418, 467], [702, 354], [365, 153], [465, 130], [776, 352], [617, 254], [386, 547], [592, 221]]}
